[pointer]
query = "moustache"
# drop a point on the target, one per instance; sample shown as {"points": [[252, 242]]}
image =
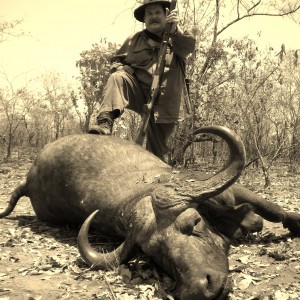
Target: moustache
{"points": [[156, 20]]}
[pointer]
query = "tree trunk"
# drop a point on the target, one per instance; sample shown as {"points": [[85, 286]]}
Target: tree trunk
{"points": [[9, 145]]}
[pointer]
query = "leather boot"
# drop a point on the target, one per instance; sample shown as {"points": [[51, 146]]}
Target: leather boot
{"points": [[105, 122]]}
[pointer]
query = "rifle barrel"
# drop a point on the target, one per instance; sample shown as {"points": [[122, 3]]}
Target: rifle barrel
{"points": [[156, 81]]}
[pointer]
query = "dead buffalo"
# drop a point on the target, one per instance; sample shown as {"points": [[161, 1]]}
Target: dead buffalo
{"points": [[184, 223]]}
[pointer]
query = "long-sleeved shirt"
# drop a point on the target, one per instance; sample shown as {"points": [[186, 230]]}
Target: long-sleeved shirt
{"points": [[141, 54]]}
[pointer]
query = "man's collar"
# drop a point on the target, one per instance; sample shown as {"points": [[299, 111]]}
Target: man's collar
{"points": [[152, 36]]}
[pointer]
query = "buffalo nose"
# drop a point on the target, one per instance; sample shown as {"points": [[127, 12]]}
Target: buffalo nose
{"points": [[213, 285]]}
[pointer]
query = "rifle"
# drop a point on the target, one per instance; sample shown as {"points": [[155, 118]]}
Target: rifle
{"points": [[156, 82]]}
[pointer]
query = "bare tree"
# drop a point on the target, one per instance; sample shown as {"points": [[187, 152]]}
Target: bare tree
{"points": [[15, 105], [94, 67], [10, 29], [58, 103]]}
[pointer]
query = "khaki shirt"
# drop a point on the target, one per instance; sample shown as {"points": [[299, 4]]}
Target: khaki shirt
{"points": [[141, 54]]}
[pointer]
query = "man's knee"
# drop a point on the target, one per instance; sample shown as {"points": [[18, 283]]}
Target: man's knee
{"points": [[116, 78]]}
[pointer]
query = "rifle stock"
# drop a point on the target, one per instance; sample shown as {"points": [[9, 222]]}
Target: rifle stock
{"points": [[156, 82]]}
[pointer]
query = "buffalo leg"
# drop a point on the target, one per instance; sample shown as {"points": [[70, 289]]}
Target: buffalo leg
{"points": [[267, 209]]}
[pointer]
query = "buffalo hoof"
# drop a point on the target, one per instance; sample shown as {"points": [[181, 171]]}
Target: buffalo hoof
{"points": [[292, 222]]}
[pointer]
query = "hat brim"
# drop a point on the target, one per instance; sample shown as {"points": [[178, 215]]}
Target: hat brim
{"points": [[139, 13]]}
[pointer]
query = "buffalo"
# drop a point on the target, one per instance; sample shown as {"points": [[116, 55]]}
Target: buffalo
{"points": [[183, 221]]}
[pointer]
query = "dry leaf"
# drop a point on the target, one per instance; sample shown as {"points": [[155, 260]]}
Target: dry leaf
{"points": [[244, 259], [125, 273], [279, 295]]}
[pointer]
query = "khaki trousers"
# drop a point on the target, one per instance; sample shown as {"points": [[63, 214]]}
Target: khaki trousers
{"points": [[124, 91]]}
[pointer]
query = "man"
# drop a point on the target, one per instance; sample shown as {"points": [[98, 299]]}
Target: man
{"points": [[132, 71]]}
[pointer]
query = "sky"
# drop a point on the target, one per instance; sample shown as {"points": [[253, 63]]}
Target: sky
{"points": [[61, 29]]}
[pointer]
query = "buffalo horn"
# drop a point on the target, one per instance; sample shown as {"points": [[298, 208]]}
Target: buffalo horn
{"points": [[232, 169], [200, 189], [99, 260]]}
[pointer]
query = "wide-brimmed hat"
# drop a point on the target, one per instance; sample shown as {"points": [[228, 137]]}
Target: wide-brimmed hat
{"points": [[139, 12]]}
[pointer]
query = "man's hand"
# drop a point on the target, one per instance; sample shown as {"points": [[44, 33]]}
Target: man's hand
{"points": [[172, 17]]}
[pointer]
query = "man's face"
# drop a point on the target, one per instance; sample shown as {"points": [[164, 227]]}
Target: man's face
{"points": [[155, 18]]}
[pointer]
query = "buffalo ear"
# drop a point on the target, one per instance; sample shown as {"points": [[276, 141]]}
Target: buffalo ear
{"points": [[234, 221]]}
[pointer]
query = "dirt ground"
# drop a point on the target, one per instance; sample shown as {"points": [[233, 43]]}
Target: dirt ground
{"points": [[42, 262]]}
